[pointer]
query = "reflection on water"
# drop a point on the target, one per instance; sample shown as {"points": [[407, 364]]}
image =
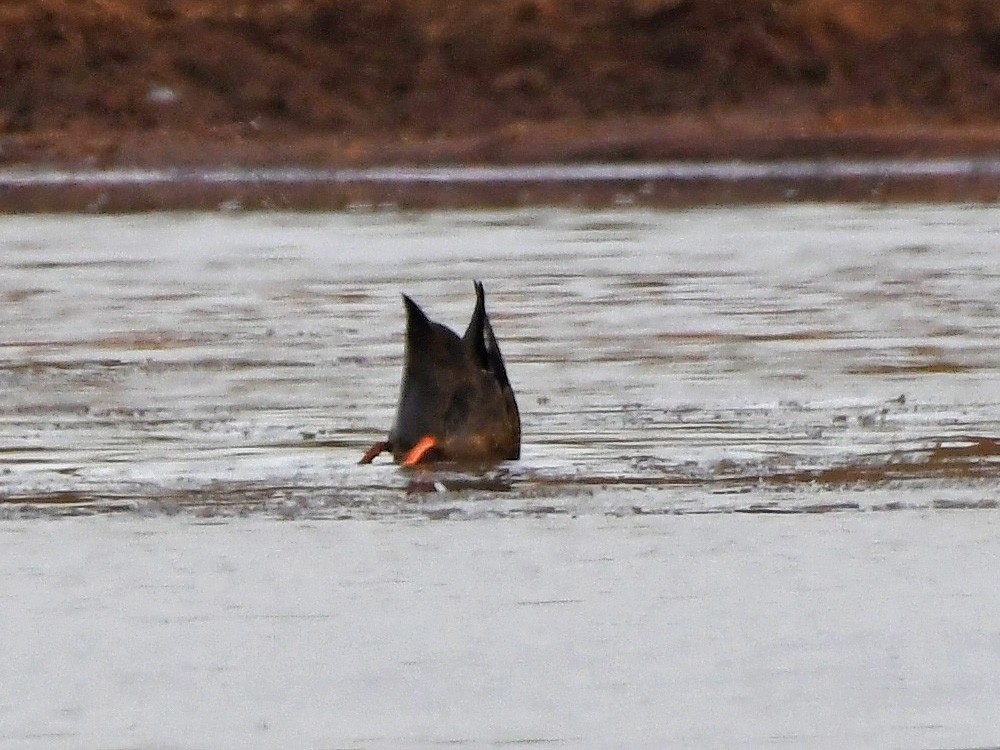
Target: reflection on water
{"points": [[782, 359], [585, 173]]}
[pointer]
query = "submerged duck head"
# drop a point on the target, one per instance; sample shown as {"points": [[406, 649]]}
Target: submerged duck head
{"points": [[455, 401]]}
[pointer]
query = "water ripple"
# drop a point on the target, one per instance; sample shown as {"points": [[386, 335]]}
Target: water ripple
{"points": [[774, 360]]}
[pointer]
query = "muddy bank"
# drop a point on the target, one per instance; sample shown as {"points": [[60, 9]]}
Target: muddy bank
{"points": [[662, 184], [350, 83]]}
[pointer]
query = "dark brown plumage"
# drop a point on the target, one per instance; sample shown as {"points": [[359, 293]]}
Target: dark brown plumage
{"points": [[455, 401]]}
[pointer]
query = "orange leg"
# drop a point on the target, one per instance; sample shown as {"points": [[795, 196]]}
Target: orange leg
{"points": [[418, 451]]}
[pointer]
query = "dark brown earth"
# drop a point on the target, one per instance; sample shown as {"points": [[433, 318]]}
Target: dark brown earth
{"points": [[335, 82]]}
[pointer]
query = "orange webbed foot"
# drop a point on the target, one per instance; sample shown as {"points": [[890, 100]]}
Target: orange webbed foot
{"points": [[418, 451]]}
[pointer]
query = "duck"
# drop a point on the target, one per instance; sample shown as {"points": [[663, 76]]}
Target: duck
{"points": [[456, 403]]}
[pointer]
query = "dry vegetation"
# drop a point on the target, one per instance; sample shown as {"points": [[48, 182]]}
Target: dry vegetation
{"points": [[91, 76]]}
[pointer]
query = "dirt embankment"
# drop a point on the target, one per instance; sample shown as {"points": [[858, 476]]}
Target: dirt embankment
{"points": [[369, 81]]}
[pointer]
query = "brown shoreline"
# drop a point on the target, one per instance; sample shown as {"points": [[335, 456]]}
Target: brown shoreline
{"points": [[207, 84], [253, 194], [623, 140], [750, 136]]}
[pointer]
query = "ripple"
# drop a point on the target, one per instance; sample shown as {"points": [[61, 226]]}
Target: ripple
{"points": [[715, 361]]}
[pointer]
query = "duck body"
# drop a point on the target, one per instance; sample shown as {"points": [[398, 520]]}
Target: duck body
{"points": [[456, 402]]}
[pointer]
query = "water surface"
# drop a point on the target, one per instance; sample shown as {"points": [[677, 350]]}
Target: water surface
{"points": [[782, 359], [756, 504]]}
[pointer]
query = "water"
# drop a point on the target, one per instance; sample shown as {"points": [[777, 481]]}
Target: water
{"points": [[785, 358], [578, 174], [659, 184], [188, 394]]}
